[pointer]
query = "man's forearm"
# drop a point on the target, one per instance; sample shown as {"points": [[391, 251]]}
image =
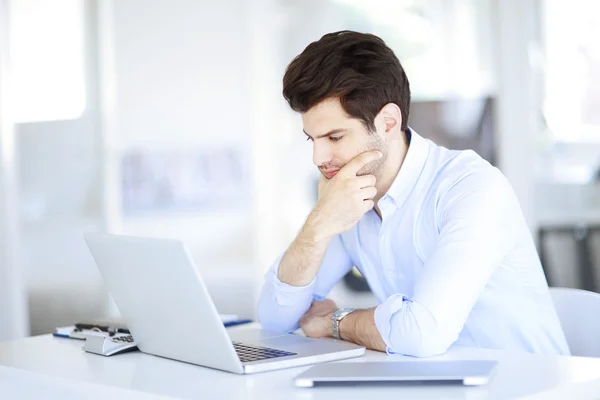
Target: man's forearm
{"points": [[359, 327], [302, 260]]}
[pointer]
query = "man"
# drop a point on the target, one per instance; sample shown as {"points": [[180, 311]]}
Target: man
{"points": [[438, 234]]}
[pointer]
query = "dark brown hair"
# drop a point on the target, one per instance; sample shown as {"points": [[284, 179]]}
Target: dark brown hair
{"points": [[357, 68]]}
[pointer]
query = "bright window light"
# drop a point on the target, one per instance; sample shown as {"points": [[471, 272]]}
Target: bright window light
{"points": [[572, 97], [47, 59]]}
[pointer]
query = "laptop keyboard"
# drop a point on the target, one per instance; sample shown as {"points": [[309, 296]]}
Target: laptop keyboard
{"points": [[248, 353]]}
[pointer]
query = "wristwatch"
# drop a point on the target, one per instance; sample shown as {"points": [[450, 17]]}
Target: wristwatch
{"points": [[337, 317]]}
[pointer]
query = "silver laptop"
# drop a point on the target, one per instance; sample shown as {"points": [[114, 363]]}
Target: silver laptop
{"points": [[464, 372], [169, 312]]}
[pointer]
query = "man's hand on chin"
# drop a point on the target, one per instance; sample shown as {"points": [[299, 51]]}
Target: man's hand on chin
{"points": [[316, 322]]}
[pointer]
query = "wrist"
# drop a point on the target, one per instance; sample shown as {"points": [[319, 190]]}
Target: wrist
{"points": [[329, 324], [314, 229], [339, 320], [345, 328]]}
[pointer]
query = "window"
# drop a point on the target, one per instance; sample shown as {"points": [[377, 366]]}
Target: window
{"points": [[47, 59], [444, 45], [570, 32]]}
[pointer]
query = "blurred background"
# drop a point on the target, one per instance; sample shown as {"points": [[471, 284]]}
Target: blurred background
{"points": [[165, 118]]}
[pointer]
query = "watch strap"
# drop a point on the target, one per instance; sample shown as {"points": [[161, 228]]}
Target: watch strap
{"points": [[337, 316]]}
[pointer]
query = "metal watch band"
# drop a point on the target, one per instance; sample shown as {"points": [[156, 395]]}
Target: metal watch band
{"points": [[337, 316]]}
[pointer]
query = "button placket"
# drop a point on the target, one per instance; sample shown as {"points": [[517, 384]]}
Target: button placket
{"points": [[388, 268]]}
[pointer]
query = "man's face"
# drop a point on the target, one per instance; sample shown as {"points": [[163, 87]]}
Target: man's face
{"points": [[337, 139]]}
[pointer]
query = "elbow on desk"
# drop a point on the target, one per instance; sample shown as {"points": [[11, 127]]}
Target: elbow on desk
{"points": [[414, 331], [420, 345]]}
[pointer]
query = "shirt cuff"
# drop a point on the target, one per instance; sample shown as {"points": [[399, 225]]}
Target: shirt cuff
{"points": [[288, 295], [383, 317]]}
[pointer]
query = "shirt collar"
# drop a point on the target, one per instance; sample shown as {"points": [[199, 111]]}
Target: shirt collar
{"points": [[410, 171]]}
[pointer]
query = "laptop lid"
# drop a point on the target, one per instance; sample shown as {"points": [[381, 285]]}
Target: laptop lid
{"points": [[466, 372], [163, 299]]}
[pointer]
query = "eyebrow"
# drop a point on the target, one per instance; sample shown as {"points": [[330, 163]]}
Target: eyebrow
{"points": [[331, 132]]}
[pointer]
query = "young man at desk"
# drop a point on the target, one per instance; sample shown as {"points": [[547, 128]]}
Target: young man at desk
{"points": [[438, 234]]}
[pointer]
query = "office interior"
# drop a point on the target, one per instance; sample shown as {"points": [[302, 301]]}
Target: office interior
{"points": [[165, 119]]}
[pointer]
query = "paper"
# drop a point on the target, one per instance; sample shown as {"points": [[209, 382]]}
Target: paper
{"points": [[226, 318], [71, 333]]}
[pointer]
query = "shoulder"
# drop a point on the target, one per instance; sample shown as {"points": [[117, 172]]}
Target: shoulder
{"points": [[460, 171], [466, 183]]}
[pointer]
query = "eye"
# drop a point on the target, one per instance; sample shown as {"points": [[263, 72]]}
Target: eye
{"points": [[335, 138]]}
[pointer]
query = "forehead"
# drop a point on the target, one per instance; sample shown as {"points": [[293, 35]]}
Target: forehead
{"points": [[326, 116]]}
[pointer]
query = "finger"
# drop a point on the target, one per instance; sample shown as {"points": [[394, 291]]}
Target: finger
{"points": [[368, 193], [303, 322], [365, 181], [317, 304], [329, 302], [360, 161], [368, 204]]}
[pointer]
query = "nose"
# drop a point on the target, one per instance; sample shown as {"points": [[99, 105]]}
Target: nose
{"points": [[321, 153]]}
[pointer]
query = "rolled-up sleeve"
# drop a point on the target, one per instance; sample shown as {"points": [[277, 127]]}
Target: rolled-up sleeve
{"points": [[280, 306], [477, 230]]}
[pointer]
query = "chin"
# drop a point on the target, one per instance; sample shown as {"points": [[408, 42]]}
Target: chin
{"points": [[370, 170]]}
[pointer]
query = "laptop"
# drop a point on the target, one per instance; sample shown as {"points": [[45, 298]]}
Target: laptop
{"points": [[170, 313], [463, 372]]}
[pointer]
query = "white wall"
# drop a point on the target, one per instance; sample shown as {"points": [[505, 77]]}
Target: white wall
{"points": [[519, 105], [13, 314], [158, 75], [181, 80]]}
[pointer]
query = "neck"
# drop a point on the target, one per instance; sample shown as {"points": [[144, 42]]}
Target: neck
{"points": [[395, 158]]}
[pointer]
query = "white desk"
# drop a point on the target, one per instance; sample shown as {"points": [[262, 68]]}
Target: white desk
{"points": [[59, 368]]}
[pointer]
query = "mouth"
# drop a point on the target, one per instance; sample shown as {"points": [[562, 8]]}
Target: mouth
{"points": [[331, 173]]}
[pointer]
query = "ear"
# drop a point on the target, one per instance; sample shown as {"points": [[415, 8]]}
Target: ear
{"points": [[392, 118]]}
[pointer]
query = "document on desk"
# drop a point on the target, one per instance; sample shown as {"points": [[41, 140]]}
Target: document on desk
{"points": [[83, 330]]}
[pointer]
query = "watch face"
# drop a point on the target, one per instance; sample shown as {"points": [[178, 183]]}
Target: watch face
{"points": [[342, 312]]}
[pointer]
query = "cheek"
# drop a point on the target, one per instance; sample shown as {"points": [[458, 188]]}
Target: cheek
{"points": [[353, 147], [344, 156], [343, 152]]}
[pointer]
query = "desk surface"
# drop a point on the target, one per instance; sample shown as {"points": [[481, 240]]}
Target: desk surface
{"points": [[59, 368]]}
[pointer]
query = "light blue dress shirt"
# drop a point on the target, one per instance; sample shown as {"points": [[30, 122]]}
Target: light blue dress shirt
{"points": [[451, 261]]}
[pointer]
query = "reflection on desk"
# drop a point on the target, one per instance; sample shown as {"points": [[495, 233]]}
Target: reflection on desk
{"points": [[19, 384]]}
